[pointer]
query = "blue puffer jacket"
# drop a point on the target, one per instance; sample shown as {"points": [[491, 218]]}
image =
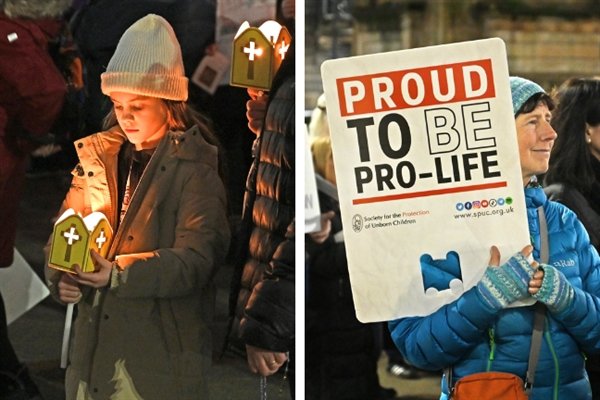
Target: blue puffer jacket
{"points": [[468, 335]]}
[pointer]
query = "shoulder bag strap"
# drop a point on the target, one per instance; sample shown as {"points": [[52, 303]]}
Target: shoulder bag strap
{"points": [[544, 245], [540, 309]]}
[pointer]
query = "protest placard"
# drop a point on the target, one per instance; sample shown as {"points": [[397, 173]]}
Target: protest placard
{"points": [[427, 167], [21, 288]]}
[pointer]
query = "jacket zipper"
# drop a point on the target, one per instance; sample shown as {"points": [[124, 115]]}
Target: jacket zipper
{"points": [[492, 349], [556, 367], [119, 233]]}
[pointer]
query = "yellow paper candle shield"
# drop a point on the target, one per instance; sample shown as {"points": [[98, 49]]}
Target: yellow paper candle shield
{"points": [[74, 236], [258, 54]]}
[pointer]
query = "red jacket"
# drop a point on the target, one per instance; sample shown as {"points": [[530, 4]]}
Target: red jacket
{"points": [[32, 89], [32, 92]]}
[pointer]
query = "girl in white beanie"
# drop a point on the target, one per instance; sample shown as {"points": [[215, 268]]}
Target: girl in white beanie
{"points": [[142, 323]]}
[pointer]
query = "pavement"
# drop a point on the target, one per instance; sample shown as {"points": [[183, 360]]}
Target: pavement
{"points": [[37, 335]]}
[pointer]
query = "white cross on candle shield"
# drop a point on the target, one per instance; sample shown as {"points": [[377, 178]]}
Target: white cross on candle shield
{"points": [[283, 49], [100, 240], [71, 236], [252, 51]]}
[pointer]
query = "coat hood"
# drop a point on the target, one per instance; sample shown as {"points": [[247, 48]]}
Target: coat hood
{"points": [[34, 9]]}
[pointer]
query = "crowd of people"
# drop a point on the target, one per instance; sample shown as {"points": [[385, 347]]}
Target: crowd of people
{"points": [[190, 181]]}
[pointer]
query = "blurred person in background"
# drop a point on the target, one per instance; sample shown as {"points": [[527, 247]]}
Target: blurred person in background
{"points": [[262, 297], [574, 174], [32, 92], [341, 352]]}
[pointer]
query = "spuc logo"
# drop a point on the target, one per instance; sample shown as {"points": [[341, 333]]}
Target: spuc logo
{"points": [[357, 223]]}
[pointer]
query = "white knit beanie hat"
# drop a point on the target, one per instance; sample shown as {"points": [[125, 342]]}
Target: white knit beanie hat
{"points": [[147, 62]]}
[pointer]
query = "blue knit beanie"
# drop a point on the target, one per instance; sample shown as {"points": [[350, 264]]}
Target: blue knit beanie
{"points": [[522, 89]]}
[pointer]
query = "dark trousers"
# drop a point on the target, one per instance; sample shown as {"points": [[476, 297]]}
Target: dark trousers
{"points": [[291, 374], [592, 366], [8, 358], [12, 179]]}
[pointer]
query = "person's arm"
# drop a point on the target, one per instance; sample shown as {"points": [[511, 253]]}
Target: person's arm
{"points": [[268, 320], [319, 237], [442, 338], [577, 309], [263, 361], [326, 259], [201, 240], [268, 325], [256, 109]]}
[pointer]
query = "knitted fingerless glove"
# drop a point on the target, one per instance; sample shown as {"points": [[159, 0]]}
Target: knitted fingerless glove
{"points": [[507, 283], [556, 291]]}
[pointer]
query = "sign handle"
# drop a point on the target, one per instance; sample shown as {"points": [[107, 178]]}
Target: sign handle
{"points": [[64, 354]]}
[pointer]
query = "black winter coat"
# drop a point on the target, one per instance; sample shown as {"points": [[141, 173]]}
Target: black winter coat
{"points": [[341, 352], [262, 296], [586, 209]]}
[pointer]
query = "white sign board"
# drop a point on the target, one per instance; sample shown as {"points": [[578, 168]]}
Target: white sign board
{"points": [[21, 288], [427, 165]]}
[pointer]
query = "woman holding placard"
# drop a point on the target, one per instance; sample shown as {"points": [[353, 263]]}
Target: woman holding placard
{"points": [[479, 332]]}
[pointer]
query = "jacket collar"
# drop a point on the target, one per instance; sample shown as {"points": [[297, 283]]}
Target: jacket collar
{"points": [[108, 142], [189, 145], [534, 196]]}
